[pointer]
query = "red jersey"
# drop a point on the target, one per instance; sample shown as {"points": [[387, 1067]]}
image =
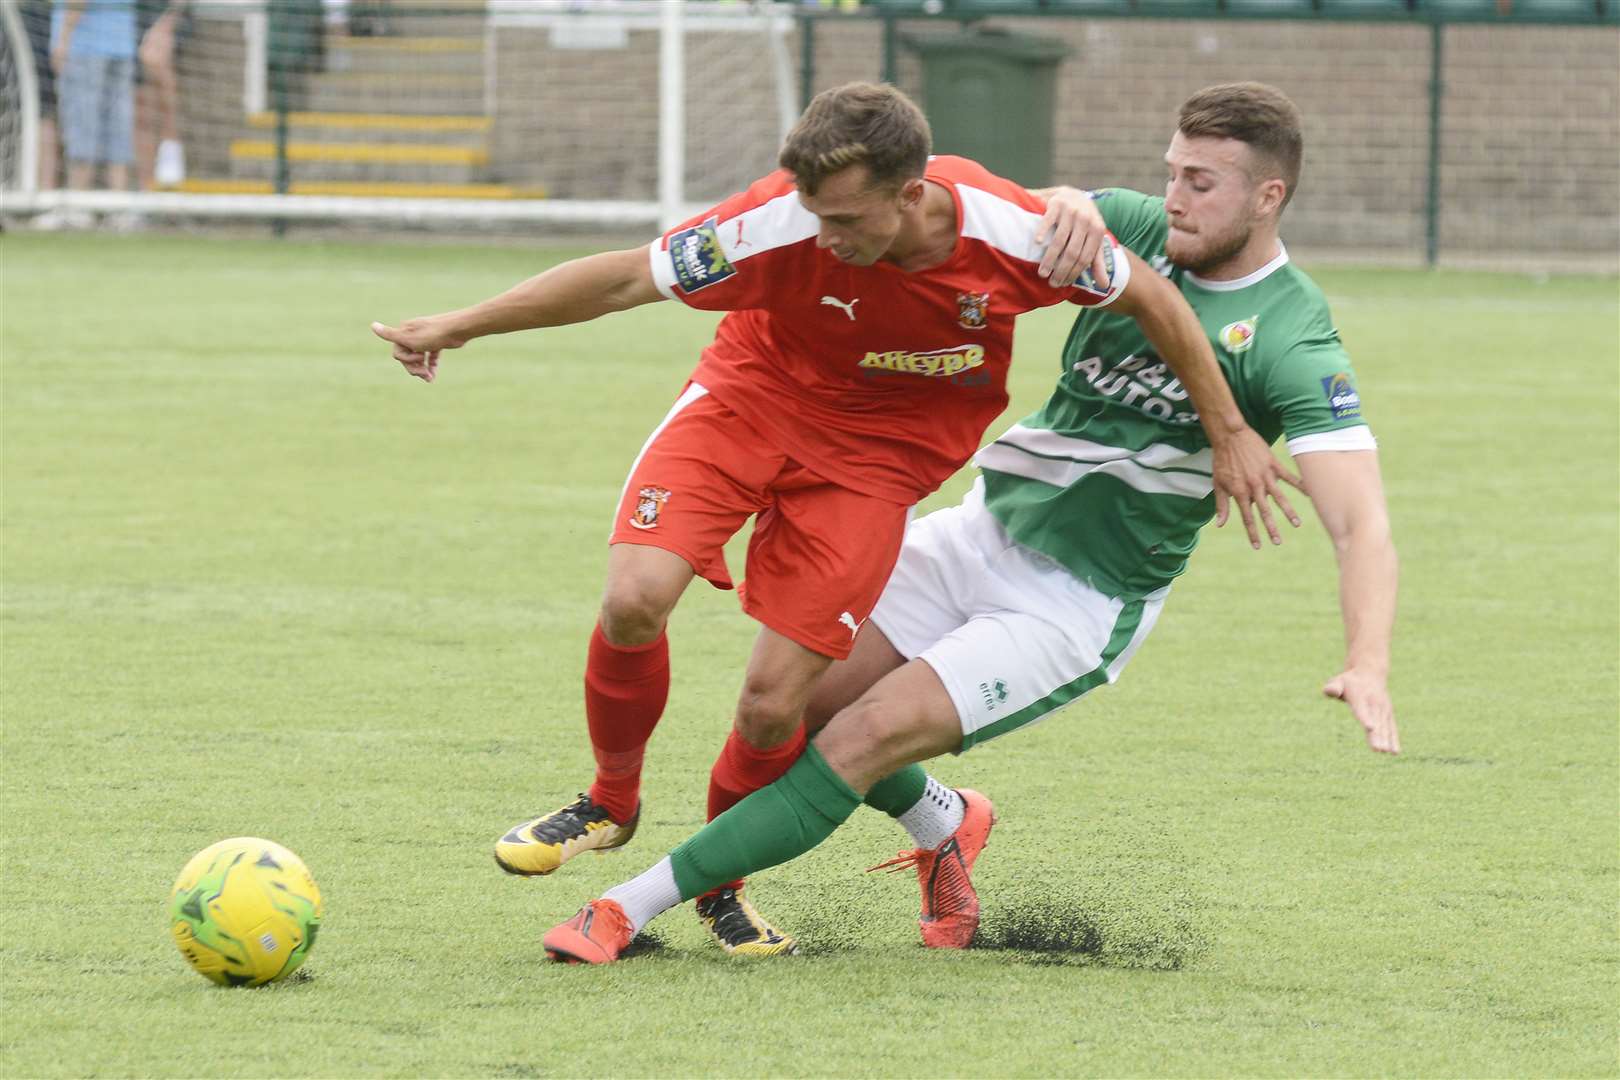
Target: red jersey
{"points": [[877, 379]]}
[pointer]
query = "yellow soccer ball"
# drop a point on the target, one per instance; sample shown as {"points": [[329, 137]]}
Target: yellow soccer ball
{"points": [[245, 912]]}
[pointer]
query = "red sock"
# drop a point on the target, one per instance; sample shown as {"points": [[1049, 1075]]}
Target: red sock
{"points": [[625, 692], [741, 770]]}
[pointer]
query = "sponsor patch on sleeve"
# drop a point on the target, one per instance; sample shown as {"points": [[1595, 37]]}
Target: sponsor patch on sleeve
{"points": [[1342, 397], [697, 258]]}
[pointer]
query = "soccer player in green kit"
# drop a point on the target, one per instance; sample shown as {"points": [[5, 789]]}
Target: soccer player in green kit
{"points": [[1046, 579]]}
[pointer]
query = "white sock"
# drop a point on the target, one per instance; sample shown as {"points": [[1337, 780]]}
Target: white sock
{"points": [[936, 816], [648, 895]]}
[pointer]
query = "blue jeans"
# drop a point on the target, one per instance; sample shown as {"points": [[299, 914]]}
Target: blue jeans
{"points": [[97, 109]]}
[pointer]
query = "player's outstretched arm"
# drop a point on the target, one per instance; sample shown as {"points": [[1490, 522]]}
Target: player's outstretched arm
{"points": [[575, 291], [1348, 494], [1245, 468]]}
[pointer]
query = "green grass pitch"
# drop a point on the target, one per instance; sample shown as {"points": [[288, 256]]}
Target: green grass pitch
{"points": [[257, 581]]}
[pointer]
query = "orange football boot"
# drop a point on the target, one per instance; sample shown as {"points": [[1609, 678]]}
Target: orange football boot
{"points": [[596, 935], [950, 907]]}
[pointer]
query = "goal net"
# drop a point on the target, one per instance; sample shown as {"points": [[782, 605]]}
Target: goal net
{"points": [[615, 113]]}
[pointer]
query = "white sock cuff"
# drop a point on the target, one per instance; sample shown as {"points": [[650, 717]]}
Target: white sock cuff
{"points": [[935, 816], [647, 895]]}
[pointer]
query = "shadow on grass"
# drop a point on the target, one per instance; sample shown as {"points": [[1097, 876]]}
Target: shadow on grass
{"points": [[1080, 929], [646, 943], [1125, 895]]}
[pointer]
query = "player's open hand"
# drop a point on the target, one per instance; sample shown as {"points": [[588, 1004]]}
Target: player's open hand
{"points": [[1074, 234], [1368, 698], [1247, 472], [417, 344]]}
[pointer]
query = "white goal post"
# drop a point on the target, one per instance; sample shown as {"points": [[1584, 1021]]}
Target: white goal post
{"points": [[453, 111]]}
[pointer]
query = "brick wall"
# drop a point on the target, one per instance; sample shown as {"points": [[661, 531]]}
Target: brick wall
{"points": [[1530, 125], [1530, 151]]}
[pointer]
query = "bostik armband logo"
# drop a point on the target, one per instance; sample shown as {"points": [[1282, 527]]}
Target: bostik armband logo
{"points": [[1342, 396], [1088, 282], [697, 257]]}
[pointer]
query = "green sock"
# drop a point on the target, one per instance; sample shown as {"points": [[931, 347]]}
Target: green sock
{"points": [[899, 791], [771, 826]]}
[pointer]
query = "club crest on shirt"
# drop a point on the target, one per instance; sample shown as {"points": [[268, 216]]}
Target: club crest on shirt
{"points": [[649, 501], [1237, 337], [972, 310]]}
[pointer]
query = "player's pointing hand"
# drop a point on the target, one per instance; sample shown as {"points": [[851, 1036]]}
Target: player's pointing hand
{"points": [[417, 344]]}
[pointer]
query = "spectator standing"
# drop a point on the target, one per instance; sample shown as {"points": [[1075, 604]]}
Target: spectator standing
{"points": [[162, 27], [93, 55]]}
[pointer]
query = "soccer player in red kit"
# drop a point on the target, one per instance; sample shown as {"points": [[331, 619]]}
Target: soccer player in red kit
{"points": [[871, 292]]}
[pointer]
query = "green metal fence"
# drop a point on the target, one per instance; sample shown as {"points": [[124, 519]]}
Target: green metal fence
{"points": [[1517, 11]]}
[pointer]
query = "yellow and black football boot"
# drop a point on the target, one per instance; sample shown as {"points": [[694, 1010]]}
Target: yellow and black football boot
{"points": [[542, 845], [739, 929]]}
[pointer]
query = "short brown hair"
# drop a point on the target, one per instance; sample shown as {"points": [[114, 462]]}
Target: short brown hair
{"points": [[1253, 113], [859, 123]]}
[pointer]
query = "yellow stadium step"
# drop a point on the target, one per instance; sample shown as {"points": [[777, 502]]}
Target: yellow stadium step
{"points": [[375, 121], [361, 153], [375, 190]]}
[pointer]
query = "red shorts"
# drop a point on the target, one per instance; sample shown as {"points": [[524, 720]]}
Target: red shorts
{"points": [[820, 553]]}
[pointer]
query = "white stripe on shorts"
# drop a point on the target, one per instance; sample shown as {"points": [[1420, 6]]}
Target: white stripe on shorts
{"points": [[692, 393]]}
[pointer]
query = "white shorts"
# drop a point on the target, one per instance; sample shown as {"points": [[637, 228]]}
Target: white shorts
{"points": [[1011, 633]]}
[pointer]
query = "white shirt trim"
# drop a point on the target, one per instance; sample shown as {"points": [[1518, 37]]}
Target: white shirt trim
{"points": [[776, 223], [1246, 280], [692, 392], [663, 273], [1359, 437], [1011, 229], [1159, 469], [1005, 226], [1054, 444]]}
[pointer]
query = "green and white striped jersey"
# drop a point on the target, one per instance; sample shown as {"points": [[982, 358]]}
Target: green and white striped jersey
{"points": [[1111, 477]]}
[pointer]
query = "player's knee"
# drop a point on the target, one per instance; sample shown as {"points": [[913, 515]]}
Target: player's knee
{"points": [[881, 727], [766, 717], [634, 611], [869, 740]]}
